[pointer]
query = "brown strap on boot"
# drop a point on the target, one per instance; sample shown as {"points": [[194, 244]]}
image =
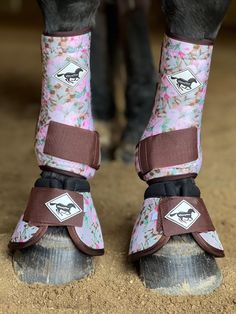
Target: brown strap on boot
{"points": [[168, 149], [73, 144], [180, 215], [54, 207]]}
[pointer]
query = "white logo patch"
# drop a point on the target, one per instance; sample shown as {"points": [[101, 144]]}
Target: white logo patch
{"points": [[63, 207], [71, 74], [184, 82], [184, 215]]}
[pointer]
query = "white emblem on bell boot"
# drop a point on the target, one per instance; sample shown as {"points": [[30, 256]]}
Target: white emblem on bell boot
{"points": [[63, 207], [71, 74], [184, 82], [184, 215]]}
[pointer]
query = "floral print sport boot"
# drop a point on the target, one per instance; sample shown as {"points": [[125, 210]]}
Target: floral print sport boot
{"points": [[174, 240], [59, 232]]}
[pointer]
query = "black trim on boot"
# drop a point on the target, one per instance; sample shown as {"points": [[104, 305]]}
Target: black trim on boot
{"points": [[55, 180], [180, 187]]}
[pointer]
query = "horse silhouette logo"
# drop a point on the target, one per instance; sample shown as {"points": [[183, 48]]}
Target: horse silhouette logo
{"points": [[184, 215], [71, 74], [63, 207], [184, 82], [71, 77]]}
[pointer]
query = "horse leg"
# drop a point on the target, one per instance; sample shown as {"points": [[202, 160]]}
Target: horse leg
{"points": [[141, 74], [48, 246], [141, 82], [177, 257], [103, 56]]}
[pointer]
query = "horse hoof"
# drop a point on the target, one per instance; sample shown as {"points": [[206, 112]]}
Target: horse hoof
{"points": [[181, 267], [53, 260], [106, 153], [107, 140], [125, 153]]}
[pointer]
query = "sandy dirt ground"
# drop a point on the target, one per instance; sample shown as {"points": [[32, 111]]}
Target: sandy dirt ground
{"points": [[118, 194]]}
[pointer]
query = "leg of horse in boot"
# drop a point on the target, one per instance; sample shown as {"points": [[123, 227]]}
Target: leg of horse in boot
{"points": [[174, 242], [141, 81], [103, 51], [59, 232]]}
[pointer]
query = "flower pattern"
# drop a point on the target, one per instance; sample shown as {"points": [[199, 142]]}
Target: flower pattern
{"points": [[23, 232], [61, 102], [90, 233], [173, 111], [212, 238], [145, 233]]}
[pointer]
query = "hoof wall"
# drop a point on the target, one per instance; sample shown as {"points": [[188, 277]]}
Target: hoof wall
{"points": [[181, 267], [53, 260]]}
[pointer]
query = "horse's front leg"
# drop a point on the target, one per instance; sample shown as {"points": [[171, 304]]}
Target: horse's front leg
{"points": [[56, 247], [141, 75], [131, 17], [179, 257]]}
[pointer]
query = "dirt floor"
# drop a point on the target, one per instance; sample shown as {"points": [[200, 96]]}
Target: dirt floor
{"points": [[118, 193]]}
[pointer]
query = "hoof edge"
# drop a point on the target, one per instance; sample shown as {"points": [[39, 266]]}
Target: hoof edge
{"points": [[186, 270], [53, 260]]}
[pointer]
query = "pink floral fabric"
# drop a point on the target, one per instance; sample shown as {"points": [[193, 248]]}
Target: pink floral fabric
{"points": [[173, 110], [90, 233], [145, 233], [64, 101], [23, 232], [212, 239]]}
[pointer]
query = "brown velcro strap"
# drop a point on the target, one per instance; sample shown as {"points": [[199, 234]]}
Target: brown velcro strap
{"points": [[73, 144], [180, 215], [168, 149], [54, 207]]}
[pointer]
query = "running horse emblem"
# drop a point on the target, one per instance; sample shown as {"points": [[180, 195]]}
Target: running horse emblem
{"points": [[62, 209], [184, 84], [184, 216], [71, 77]]}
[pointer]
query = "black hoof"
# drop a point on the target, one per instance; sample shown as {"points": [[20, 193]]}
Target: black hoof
{"points": [[181, 267], [107, 140], [107, 153], [125, 153], [53, 260]]}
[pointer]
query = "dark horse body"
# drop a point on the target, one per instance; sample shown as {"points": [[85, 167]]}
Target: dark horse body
{"points": [[189, 19]]}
